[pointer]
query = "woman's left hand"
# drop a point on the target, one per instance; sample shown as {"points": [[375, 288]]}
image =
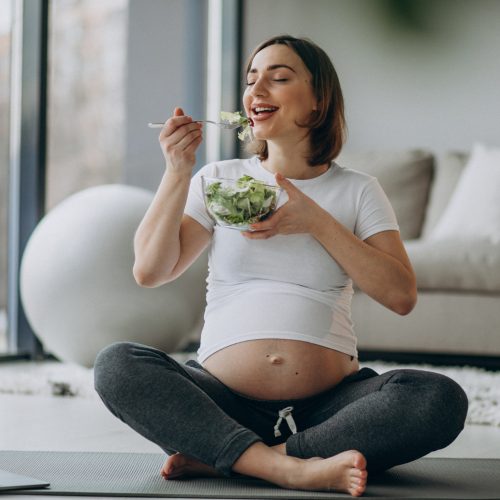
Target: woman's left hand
{"points": [[297, 215]]}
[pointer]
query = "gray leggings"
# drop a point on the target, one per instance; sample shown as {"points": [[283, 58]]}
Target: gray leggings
{"points": [[391, 419]]}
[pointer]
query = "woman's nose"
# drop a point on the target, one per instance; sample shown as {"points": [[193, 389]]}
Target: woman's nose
{"points": [[258, 88]]}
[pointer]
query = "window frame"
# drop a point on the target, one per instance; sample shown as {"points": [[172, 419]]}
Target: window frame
{"points": [[224, 42], [27, 159]]}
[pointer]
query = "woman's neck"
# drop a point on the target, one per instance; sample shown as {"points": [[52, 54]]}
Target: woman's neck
{"points": [[291, 162]]}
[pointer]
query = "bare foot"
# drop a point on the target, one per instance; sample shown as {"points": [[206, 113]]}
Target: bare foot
{"points": [[180, 465], [345, 472]]}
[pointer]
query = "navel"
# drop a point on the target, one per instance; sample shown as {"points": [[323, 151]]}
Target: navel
{"points": [[274, 360]]}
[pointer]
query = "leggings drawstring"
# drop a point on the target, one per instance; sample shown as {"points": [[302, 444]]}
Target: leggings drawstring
{"points": [[285, 413]]}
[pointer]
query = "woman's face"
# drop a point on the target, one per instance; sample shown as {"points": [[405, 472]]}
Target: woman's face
{"points": [[279, 94]]}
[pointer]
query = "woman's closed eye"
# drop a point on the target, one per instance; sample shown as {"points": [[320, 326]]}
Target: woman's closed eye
{"points": [[274, 80]]}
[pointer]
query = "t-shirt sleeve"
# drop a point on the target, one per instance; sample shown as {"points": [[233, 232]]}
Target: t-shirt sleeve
{"points": [[375, 212], [195, 205]]}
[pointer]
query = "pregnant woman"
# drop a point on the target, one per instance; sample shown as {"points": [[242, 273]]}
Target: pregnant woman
{"points": [[276, 392]]}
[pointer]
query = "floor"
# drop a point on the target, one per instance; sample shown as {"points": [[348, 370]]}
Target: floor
{"points": [[78, 424]]}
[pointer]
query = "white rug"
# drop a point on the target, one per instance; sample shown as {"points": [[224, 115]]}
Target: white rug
{"points": [[70, 380]]}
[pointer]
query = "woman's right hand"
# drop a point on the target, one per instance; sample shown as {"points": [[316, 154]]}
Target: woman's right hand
{"points": [[179, 140]]}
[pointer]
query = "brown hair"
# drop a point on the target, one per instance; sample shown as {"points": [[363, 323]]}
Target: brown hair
{"points": [[327, 125]]}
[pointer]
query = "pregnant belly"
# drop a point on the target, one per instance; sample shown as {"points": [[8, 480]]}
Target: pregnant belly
{"points": [[279, 369]]}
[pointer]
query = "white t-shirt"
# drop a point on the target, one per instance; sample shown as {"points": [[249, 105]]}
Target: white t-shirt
{"points": [[286, 286]]}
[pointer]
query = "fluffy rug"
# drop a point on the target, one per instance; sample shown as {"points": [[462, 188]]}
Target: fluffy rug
{"points": [[70, 380]]}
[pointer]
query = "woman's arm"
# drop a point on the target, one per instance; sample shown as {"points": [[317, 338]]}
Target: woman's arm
{"points": [[379, 265], [167, 242]]}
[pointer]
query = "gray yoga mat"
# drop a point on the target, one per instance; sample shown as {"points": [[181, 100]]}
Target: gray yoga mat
{"points": [[137, 474]]}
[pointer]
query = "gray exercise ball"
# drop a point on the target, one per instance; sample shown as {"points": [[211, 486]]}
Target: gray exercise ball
{"points": [[77, 286]]}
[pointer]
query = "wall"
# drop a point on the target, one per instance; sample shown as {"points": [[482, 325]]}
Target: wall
{"points": [[165, 68], [425, 78]]}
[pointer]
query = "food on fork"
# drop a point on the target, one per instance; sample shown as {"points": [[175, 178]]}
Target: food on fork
{"points": [[237, 117]]}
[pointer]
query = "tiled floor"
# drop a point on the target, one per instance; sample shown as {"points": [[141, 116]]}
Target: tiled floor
{"points": [[78, 424]]}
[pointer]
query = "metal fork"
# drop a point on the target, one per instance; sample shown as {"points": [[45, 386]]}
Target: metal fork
{"points": [[224, 125]]}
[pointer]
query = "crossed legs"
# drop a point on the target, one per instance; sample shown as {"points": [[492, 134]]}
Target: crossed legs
{"points": [[378, 421]]}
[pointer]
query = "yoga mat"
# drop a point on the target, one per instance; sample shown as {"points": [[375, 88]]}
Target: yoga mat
{"points": [[11, 481], [137, 474]]}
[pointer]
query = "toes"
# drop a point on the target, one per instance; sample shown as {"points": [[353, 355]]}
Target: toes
{"points": [[358, 480], [359, 461], [165, 470], [173, 465], [355, 472], [355, 483], [357, 487], [359, 474], [357, 492]]}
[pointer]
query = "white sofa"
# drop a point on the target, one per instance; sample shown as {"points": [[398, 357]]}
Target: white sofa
{"points": [[458, 308]]}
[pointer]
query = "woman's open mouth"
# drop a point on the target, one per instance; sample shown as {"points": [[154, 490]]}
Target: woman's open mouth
{"points": [[260, 113]]}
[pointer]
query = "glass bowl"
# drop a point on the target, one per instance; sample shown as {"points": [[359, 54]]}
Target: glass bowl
{"points": [[237, 203]]}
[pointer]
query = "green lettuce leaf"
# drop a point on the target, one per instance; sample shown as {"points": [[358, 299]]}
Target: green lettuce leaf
{"points": [[237, 118], [249, 201]]}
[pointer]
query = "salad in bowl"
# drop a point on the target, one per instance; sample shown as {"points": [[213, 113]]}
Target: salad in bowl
{"points": [[237, 203]]}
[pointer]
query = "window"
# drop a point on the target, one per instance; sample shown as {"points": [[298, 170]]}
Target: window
{"points": [[71, 126], [87, 54]]}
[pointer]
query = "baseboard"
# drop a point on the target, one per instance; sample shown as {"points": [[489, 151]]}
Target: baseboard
{"points": [[8, 358], [439, 359]]}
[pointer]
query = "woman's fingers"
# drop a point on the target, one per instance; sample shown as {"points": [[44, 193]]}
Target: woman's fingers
{"points": [[181, 132], [264, 229], [173, 123], [179, 139], [258, 234], [189, 139]]}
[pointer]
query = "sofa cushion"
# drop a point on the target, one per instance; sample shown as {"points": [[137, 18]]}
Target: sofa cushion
{"points": [[405, 177], [447, 265], [473, 211], [447, 170]]}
